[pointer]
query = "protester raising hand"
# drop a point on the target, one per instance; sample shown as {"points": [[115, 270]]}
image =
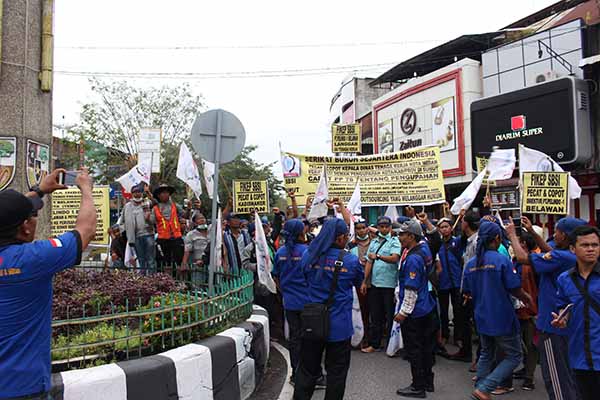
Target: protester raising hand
{"points": [[50, 182], [409, 212]]}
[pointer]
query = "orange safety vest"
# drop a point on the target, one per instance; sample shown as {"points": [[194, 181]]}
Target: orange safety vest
{"points": [[167, 229]]}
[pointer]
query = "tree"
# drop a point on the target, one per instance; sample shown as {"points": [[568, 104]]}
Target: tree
{"points": [[115, 119]]}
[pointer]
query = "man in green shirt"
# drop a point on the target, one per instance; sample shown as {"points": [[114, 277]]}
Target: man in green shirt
{"points": [[381, 272]]}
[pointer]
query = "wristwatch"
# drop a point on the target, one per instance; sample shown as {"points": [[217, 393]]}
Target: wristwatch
{"points": [[37, 190], [377, 257]]}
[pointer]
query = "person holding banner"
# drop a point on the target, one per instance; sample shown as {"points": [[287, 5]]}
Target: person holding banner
{"points": [[381, 271], [549, 264]]}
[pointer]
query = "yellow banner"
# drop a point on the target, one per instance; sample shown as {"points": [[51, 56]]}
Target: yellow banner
{"points": [[545, 193], [66, 205], [412, 177], [249, 196], [345, 138]]}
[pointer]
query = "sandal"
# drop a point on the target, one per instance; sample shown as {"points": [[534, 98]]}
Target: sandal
{"points": [[502, 390]]}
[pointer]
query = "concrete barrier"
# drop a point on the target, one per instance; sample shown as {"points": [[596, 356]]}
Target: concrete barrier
{"points": [[227, 366]]}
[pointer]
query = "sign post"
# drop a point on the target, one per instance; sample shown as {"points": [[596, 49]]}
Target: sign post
{"points": [[218, 136]]}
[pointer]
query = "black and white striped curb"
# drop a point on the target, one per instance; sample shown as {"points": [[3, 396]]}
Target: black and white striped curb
{"points": [[227, 366]]}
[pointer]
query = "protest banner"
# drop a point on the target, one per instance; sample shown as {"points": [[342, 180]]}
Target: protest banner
{"points": [[411, 177], [249, 196], [345, 138], [545, 193], [66, 205], [149, 144]]}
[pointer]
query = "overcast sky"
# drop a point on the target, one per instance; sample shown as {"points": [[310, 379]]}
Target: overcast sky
{"points": [[250, 36]]}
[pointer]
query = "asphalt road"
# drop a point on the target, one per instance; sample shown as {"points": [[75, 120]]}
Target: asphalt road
{"points": [[376, 377]]}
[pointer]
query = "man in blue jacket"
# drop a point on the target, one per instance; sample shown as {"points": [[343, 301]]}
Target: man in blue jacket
{"points": [[26, 271], [417, 311], [553, 342], [318, 264], [291, 279], [580, 286], [490, 280]]}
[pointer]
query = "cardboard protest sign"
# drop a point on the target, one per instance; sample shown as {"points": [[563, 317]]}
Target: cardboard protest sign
{"points": [[345, 138], [411, 177], [249, 196], [66, 205], [545, 193]]}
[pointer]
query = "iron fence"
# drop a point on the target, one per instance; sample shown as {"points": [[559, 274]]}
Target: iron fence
{"points": [[139, 328]]}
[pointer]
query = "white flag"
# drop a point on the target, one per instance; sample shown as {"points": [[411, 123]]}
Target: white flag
{"points": [[354, 205], [467, 197], [318, 208], [136, 175], [219, 241], [208, 169], [392, 213], [187, 170], [531, 160], [264, 264], [501, 164]]}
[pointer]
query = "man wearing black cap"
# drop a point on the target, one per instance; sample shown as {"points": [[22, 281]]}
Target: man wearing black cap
{"points": [[169, 220], [139, 230], [26, 271]]}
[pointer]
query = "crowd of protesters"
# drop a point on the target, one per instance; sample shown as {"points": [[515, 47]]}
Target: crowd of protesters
{"points": [[504, 296]]}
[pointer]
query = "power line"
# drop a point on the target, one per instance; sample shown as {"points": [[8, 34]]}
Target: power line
{"points": [[231, 74], [251, 47]]}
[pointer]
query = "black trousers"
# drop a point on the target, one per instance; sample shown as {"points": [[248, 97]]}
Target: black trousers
{"points": [[588, 383], [337, 363], [170, 253], [466, 330], [381, 313], [419, 336], [295, 325], [445, 297]]}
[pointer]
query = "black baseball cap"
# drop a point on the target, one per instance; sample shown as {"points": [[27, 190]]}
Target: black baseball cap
{"points": [[15, 208]]}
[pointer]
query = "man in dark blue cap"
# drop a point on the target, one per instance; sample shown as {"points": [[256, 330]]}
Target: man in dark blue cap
{"points": [[319, 263], [416, 314], [553, 342], [26, 271], [139, 230]]}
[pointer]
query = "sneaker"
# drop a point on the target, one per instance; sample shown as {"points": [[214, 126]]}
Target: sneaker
{"points": [[321, 382], [502, 390], [528, 385]]}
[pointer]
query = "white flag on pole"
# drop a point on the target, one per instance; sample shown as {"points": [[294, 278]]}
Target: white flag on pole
{"points": [[501, 164], [392, 213], [318, 208], [208, 170], [467, 197], [219, 241], [531, 160], [264, 264], [136, 175], [187, 170], [354, 204]]}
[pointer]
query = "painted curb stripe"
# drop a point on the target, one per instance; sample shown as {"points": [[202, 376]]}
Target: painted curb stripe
{"points": [[57, 387], [257, 350], [225, 375], [152, 377], [194, 371], [96, 383]]}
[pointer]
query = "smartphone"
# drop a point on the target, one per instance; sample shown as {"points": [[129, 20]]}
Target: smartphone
{"points": [[518, 225], [565, 311], [67, 178]]}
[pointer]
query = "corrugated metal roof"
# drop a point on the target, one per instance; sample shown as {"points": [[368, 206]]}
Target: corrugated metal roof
{"points": [[470, 46]]}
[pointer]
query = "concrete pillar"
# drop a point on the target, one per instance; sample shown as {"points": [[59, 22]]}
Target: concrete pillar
{"points": [[25, 110]]}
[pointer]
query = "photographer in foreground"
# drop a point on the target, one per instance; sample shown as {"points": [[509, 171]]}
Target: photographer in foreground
{"points": [[26, 271]]}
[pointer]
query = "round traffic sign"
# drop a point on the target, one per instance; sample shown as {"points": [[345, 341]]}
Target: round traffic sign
{"points": [[212, 124]]}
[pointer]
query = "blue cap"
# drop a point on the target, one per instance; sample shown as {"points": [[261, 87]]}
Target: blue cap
{"points": [[402, 219], [568, 224], [264, 220]]}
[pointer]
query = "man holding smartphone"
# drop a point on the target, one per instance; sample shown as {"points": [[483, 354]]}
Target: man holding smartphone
{"points": [[579, 290], [27, 268]]}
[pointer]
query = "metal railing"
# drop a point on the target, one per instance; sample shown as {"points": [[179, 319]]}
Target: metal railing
{"points": [[140, 328]]}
